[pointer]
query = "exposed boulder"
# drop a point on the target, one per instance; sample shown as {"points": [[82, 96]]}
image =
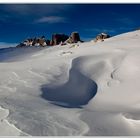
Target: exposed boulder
{"points": [[101, 37], [58, 38], [74, 38]]}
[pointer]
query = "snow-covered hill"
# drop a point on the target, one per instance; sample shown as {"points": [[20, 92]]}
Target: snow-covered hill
{"points": [[87, 89]]}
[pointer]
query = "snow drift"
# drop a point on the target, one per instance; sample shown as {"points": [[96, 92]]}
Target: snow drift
{"points": [[78, 90], [91, 89]]}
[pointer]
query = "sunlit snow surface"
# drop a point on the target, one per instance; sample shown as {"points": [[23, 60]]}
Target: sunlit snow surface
{"points": [[91, 89]]}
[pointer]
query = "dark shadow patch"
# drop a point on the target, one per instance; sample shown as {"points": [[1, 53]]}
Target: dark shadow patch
{"points": [[76, 92]]}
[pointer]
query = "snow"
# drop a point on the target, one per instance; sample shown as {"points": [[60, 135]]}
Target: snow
{"points": [[6, 128], [91, 89]]}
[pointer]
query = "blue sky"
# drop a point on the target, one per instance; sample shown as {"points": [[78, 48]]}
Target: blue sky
{"points": [[20, 21]]}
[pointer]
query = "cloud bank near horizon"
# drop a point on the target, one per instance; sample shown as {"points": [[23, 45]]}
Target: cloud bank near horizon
{"points": [[7, 45]]}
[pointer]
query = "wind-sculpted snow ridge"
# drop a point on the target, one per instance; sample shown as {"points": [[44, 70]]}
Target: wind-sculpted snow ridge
{"points": [[6, 128], [87, 89], [77, 91], [17, 54]]}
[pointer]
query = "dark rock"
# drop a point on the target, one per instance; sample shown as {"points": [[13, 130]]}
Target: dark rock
{"points": [[37, 42], [47, 42], [51, 43], [29, 42], [42, 42], [58, 38], [34, 41], [74, 38], [101, 37]]}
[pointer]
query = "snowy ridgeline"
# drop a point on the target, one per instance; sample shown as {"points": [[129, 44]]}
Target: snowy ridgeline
{"points": [[90, 88]]}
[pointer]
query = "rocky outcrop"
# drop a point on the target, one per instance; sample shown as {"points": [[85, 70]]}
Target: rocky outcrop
{"points": [[101, 37], [35, 42], [58, 38], [63, 39], [74, 38]]}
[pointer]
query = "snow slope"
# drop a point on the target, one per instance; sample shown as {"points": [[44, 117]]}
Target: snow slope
{"points": [[6, 128], [90, 89]]}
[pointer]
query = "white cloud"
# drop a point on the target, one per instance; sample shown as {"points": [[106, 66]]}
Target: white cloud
{"points": [[17, 8], [36, 9], [51, 19], [6, 45], [126, 21], [99, 30]]}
